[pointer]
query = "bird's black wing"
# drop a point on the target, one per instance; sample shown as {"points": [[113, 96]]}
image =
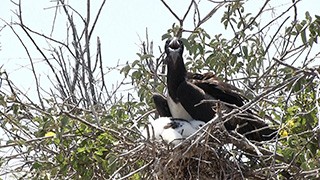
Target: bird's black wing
{"points": [[190, 97], [250, 125], [161, 105], [220, 90]]}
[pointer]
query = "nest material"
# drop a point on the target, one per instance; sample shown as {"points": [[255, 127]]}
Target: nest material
{"points": [[211, 153], [199, 158]]}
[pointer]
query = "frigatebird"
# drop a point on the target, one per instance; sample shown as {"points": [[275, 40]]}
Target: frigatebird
{"points": [[187, 92]]}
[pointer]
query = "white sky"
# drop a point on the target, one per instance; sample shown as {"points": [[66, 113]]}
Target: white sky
{"points": [[120, 24]]}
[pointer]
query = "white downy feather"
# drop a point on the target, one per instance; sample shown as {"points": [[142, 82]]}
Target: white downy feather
{"points": [[175, 135]]}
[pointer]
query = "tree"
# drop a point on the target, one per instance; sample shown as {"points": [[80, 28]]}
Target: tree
{"points": [[86, 131]]}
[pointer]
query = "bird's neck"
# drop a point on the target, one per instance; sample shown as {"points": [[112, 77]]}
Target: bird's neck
{"points": [[176, 75]]}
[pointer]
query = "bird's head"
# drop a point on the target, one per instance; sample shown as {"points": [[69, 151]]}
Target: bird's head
{"points": [[174, 48], [174, 45]]}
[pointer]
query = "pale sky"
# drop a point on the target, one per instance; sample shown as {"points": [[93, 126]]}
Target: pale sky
{"points": [[119, 27]]}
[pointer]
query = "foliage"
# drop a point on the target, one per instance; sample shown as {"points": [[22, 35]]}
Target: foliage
{"points": [[85, 131]]}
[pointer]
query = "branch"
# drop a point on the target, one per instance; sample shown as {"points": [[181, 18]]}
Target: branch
{"points": [[171, 11]]}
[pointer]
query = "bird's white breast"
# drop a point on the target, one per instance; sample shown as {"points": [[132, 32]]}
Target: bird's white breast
{"points": [[177, 110]]}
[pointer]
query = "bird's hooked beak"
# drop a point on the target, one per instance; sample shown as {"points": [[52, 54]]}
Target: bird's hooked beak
{"points": [[174, 44], [173, 48]]}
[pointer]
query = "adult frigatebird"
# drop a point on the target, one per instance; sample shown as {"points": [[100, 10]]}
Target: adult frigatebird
{"points": [[186, 92]]}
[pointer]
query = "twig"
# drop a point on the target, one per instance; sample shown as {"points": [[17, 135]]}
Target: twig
{"points": [[139, 169]]}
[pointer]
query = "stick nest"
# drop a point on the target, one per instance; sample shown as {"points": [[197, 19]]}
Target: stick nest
{"points": [[210, 153]]}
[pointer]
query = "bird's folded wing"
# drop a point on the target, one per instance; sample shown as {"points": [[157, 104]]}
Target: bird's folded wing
{"points": [[190, 97]]}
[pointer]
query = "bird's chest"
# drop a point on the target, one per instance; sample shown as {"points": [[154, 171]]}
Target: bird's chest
{"points": [[177, 110]]}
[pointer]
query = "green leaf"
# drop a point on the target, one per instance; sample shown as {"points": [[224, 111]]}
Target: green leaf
{"points": [[100, 151], [225, 23], [125, 69], [308, 17], [317, 19], [245, 51], [57, 141], [37, 165], [60, 157], [186, 43], [303, 36], [200, 49], [233, 60], [64, 169], [166, 36], [64, 121], [288, 154], [146, 56], [15, 109], [81, 149], [135, 63], [239, 24], [304, 166], [298, 27], [293, 141], [2, 101]]}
